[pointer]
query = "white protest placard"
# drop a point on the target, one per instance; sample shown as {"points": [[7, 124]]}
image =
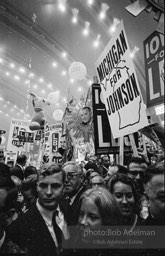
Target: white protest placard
{"points": [[120, 88], [17, 126]]}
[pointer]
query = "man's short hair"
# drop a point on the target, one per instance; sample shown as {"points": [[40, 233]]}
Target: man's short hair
{"points": [[153, 170], [21, 159], [52, 169], [137, 160]]}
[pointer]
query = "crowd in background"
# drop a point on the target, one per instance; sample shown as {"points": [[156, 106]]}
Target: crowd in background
{"points": [[51, 211]]}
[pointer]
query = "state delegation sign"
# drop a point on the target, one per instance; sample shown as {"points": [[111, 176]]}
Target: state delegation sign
{"points": [[120, 88]]}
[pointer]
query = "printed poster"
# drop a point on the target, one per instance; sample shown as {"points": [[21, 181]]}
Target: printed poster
{"points": [[120, 89], [17, 128]]}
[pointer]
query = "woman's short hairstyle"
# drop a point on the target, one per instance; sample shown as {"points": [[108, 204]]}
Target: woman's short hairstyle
{"points": [[106, 204]]}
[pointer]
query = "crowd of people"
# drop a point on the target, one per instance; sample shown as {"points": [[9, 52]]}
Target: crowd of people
{"points": [[52, 211]]}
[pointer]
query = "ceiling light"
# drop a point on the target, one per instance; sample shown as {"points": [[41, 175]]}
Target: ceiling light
{"points": [[15, 106], [64, 99], [41, 80], [90, 82], [132, 54], [86, 29], [114, 25], [75, 15], [1, 60], [104, 8], [62, 5], [7, 73], [35, 86], [80, 89], [22, 111], [54, 64], [90, 2], [1, 98], [43, 91], [16, 77], [49, 85], [5, 106], [22, 70], [12, 65], [64, 54], [31, 75], [11, 109], [97, 42], [63, 73], [7, 115], [71, 80]]}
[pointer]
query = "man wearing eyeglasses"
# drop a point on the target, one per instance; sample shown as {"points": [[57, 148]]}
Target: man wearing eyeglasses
{"points": [[136, 170], [73, 187]]}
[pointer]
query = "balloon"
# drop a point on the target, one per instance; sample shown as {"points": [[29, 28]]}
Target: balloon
{"points": [[77, 71], [54, 97], [58, 114], [2, 140]]}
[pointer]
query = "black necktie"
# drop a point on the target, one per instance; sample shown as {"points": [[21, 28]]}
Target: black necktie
{"points": [[56, 228]]}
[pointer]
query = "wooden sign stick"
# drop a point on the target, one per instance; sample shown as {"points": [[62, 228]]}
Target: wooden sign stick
{"points": [[132, 140], [121, 152]]}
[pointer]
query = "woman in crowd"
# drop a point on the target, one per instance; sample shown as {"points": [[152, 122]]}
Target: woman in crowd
{"points": [[97, 211], [123, 189]]}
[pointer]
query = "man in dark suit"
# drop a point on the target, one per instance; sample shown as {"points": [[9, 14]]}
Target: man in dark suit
{"points": [[42, 227], [73, 188], [155, 191], [18, 169]]}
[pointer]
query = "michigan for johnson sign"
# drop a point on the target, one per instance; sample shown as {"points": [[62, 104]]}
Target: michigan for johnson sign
{"points": [[120, 88]]}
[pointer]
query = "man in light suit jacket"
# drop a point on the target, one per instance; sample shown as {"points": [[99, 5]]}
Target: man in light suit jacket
{"points": [[34, 230]]}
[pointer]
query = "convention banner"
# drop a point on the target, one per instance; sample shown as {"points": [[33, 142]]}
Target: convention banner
{"points": [[17, 129], [104, 142], [154, 67], [120, 88]]}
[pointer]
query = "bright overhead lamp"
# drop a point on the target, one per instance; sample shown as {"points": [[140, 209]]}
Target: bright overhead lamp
{"points": [[75, 15], [97, 42], [86, 29], [12, 65], [62, 5], [104, 9]]}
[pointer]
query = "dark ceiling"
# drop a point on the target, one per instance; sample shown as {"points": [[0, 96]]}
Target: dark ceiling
{"points": [[36, 33]]}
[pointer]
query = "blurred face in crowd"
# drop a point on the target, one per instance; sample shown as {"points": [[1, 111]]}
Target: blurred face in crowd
{"points": [[124, 198], [73, 179], [155, 190], [89, 218], [50, 189], [85, 115], [97, 181], [111, 171], [105, 161], [63, 142], [137, 170]]}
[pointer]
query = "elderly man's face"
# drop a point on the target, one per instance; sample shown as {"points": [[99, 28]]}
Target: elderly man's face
{"points": [[155, 190], [73, 179]]}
